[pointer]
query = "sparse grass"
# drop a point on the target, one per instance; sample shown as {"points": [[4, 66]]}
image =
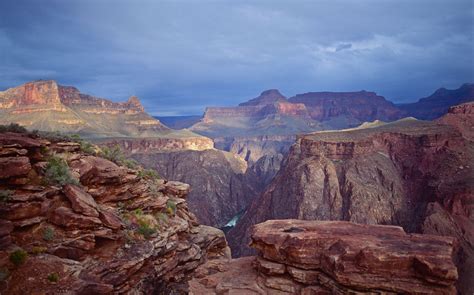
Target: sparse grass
{"points": [[13, 127], [48, 234], [57, 172], [53, 277], [5, 195], [18, 257]]}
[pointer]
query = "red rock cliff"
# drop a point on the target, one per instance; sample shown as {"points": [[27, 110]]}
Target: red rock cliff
{"points": [[95, 227], [334, 257], [410, 173]]}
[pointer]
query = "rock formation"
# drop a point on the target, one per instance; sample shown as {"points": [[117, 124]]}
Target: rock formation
{"points": [[346, 109], [410, 173], [333, 257], [47, 106], [437, 104], [461, 117], [268, 114], [220, 189], [252, 148], [71, 222]]}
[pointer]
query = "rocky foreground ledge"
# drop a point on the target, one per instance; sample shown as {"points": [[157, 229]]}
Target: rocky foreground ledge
{"points": [[334, 257], [75, 223]]}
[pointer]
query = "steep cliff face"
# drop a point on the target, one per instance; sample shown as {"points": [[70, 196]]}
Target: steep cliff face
{"points": [[219, 187], [333, 257], [461, 117], [437, 104], [390, 174], [344, 109], [191, 142], [76, 223], [268, 114], [252, 148], [47, 106]]}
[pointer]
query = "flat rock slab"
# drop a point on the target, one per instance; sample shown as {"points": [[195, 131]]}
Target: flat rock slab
{"points": [[359, 257]]}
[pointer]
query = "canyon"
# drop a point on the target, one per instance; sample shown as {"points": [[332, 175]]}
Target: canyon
{"points": [[415, 174], [98, 227], [270, 158], [105, 230]]}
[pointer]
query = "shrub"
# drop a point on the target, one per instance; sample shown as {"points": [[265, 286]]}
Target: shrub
{"points": [[148, 174], [48, 234], [145, 230], [38, 250], [143, 224], [57, 172], [13, 127], [53, 277], [5, 195], [18, 257], [113, 154], [171, 207], [130, 163], [85, 146]]}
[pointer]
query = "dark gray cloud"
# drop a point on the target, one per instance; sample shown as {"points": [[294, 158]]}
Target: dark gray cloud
{"points": [[180, 56]]}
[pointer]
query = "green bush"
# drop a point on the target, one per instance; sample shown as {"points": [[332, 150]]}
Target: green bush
{"points": [[5, 195], [57, 172], [148, 174], [85, 146], [130, 163], [145, 230], [18, 257], [113, 154], [53, 277], [171, 207], [13, 127], [38, 250], [48, 234]]}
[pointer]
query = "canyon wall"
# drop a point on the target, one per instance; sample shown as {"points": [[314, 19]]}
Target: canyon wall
{"points": [[410, 173], [359, 106], [47, 106], [93, 227], [219, 187]]}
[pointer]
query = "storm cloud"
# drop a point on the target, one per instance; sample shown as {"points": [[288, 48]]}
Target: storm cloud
{"points": [[180, 56]]}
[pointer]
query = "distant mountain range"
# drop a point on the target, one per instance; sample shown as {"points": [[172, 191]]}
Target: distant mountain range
{"points": [[271, 113], [48, 106], [437, 104]]}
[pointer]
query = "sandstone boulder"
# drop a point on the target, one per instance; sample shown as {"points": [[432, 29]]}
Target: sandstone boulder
{"points": [[81, 201], [14, 166]]}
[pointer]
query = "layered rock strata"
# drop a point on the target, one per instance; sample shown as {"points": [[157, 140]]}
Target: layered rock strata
{"points": [[334, 257], [411, 173], [47, 106], [106, 230]]}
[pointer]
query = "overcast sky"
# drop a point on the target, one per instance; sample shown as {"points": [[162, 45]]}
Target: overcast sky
{"points": [[180, 56]]}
